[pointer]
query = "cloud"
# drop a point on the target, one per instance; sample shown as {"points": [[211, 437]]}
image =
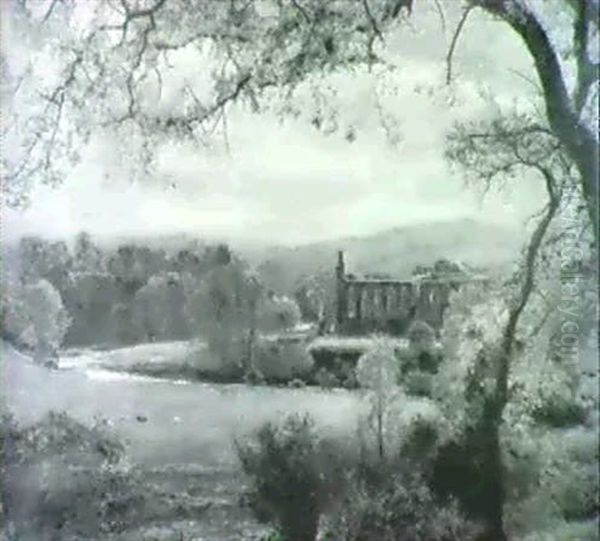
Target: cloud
{"points": [[287, 182]]}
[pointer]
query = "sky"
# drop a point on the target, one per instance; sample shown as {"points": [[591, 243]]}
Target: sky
{"points": [[288, 183]]}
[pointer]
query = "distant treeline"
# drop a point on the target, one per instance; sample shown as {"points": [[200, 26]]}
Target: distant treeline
{"points": [[135, 293]]}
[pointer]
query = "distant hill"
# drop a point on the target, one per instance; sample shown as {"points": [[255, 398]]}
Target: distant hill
{"points": [[396, 251]]}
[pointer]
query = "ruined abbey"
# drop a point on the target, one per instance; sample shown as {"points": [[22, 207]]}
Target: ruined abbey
{"points": [[380, 304]]}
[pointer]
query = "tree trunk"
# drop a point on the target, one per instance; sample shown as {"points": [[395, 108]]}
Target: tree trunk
{"points": [[491, 421], [564, 118], [251, 340], [301, 526], [380, 445], [495, 491]]}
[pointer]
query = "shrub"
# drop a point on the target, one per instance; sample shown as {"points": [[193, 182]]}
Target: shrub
{"points": [[273, 536], [326, 379], [387, 505], [279, 360], [557, 411], [418, 383], [421, 337], [294, 476], [63, 479], [278, 314]]}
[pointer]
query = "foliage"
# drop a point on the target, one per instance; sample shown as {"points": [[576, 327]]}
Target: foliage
{"points": [[139, 292], [62, 479], [378, 371], [394, 503], [278, 313], [34, 316], [495, 151], [326, 378], [90, 299], [229, 299], [273, 536], [87, 257], [281, 360], [378, 368], [295, 474], [536, 493], [40, 259], [552, 478], [421, 337], [442, 268], [315, 295], [418, 383], [559, 411], [159, 308]]}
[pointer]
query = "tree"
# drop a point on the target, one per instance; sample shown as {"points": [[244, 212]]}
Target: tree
{"points": [[315, 295], [159, 308], [87, 257], [494, 153], [228, 300], [43, 259], [566, 111], [89, 299], [377, 370], [278, 313], [254, 290], [473, 332], [508, 147], [34, 316], [274, 276], [128, 269], [114, 56]]}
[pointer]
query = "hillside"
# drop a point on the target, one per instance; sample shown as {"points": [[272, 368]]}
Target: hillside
{"points": [[395, 252]]}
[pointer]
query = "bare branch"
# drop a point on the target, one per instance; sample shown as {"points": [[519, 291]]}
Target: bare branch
{"points": [[454, 41], [299, 7], [440, 11], [57, 100], [132, 15], [527, 79], [50, 9], [372, 21], [188, 122]]}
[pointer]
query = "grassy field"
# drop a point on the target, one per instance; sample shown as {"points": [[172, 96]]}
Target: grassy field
{"points": [[180, 434]]}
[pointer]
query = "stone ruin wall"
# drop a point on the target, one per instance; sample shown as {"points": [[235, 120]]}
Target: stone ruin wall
{"points": [[385, 305]]}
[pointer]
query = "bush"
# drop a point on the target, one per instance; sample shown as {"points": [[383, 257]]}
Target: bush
{"points": [[557, 411], [388, 505], [63, 479], [273, 536], [421, 337], [294, 476], [279, 360], [418, 383], [278, 314], [326, 379]]}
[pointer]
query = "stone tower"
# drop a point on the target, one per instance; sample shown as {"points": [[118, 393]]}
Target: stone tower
{"points": [[341, 293]]}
